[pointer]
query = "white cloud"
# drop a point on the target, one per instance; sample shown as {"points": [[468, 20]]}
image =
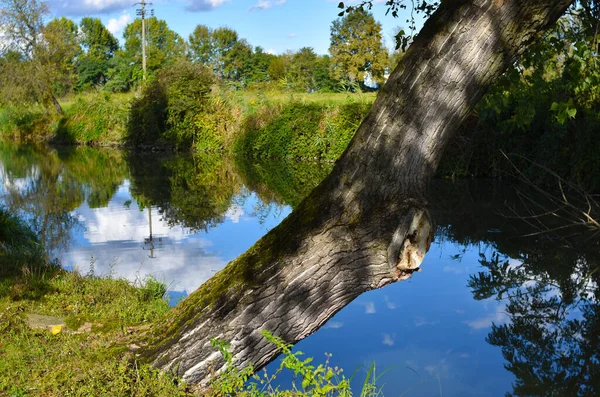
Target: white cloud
{"points": [[292, 35], [116, 25], [235, 213], [88, 7], [117, 238], [271, 51], [390, 305], [370, 307], [455, 270], [499, 317], [266, 4], [204, 5], [388, 339], [334, 324]]}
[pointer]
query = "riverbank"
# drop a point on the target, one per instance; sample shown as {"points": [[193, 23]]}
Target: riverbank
{"points": [[64, 333], [258, 125]]}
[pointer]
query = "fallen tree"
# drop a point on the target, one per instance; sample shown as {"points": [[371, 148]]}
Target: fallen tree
{"points": [[366, 225]]}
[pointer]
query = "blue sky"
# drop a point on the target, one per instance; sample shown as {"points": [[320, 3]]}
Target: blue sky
{"points": [[275, 25]]}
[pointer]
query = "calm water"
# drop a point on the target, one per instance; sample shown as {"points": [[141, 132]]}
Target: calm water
{"points": [[490, 313]]}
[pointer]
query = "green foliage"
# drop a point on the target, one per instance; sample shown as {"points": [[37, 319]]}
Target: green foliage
{"points": [[120, 74], [36, 71], [58, 54], [93, 119], [356, 49], [26, 122], [222, 51], [321, 380], [546, 108], [297, 130], [177, 109], [164, 46], [151, 289], [18, 244], [99, 47], [96, 39]]}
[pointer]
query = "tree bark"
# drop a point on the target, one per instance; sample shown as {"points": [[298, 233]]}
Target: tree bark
{"points": [[57, 107], [366, 225]]}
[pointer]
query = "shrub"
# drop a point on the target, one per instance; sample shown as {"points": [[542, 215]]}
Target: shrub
{"points": [[178, 109], [94, 118]]}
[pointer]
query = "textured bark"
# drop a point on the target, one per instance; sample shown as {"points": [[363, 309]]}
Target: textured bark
{"points": [[366, 225], [56, 105]]}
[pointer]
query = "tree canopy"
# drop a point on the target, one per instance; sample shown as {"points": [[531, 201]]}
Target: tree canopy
{"points": [[357, 51], [164, 46]]}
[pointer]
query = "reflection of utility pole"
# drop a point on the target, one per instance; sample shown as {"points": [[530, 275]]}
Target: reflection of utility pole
{"points": [[142, 13], [150, 240]]}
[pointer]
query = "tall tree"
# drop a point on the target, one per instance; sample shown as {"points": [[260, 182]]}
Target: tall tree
{"points": [[164, 46], [99, 47], [223, 51], [96, 40], [277, 67], [260, 65], [366, 225], [357, 51], [23, 25], [59, 53], [201, 45], [324, 81], [302, 71]]}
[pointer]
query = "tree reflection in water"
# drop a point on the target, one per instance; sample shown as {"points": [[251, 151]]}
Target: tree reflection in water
{"points": [[47, 186], [552, 341], [549, 285]]}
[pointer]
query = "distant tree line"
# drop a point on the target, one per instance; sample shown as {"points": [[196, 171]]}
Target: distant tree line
{"points": [[40, 62]]}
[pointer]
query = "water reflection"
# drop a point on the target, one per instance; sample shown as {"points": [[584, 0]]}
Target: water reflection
{"points": [[182, 218], [551, 341], [179, 218]]}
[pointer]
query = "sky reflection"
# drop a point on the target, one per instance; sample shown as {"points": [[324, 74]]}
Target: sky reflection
{"points": [[115, 239]]}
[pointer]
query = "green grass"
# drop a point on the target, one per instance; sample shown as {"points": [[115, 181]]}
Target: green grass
{"points": [[102, 319], [296, 128], [94, 119], [251, 97], [90, 356]]}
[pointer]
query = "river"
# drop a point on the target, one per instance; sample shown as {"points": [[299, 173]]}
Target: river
{"points": [[491, 312]]}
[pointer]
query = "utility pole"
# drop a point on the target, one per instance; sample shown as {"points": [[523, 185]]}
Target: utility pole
{"points": [[142, 13]]}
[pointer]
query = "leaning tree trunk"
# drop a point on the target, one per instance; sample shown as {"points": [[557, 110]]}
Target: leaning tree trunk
{"points": [[366, 224]]}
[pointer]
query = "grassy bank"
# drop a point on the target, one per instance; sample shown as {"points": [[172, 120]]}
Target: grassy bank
{"points": [[184, 110], [88, 120], [63, 333]]}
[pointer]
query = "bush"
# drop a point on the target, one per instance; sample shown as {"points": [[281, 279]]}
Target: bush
{"points": [[18, 243], [178, 109], [94, 118], [26, 122]]}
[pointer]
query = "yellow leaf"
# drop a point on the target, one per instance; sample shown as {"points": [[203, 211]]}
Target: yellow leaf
{"points": [[57, 329]]}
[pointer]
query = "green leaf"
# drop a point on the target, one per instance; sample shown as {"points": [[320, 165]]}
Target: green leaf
{"points": [[572, 112], [341, 5], [329, 374]]}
